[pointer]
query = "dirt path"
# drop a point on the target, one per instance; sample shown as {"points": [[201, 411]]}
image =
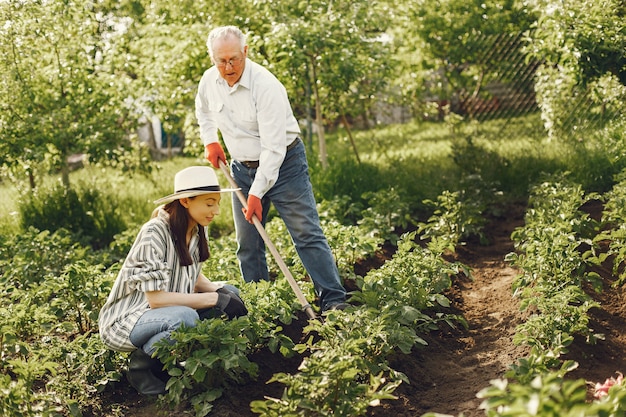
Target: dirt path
{"points": [[446, 375]]}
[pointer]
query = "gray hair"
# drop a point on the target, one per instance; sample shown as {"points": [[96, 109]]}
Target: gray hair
{"points": [[224, 32]]}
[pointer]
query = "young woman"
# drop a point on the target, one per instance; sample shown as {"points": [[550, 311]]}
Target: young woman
{"points": [[161, 286]]}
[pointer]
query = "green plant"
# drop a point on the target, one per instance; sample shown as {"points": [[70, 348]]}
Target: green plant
{"points": [[344, 372], [270, 305], [203, 360], [330, 381], [548, 395], [19, 397], [33, 256], [81, 212], [409, 285], [349, 244], [385, 213], [84, 287], [457, 215], [613, 231]]}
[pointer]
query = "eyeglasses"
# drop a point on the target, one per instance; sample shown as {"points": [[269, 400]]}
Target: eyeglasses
{"points": [[233, 62]]}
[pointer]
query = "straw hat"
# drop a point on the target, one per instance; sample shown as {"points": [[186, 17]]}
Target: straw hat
{"points": [[194, 181]]}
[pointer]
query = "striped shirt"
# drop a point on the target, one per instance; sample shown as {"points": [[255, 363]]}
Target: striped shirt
{"points": [[151, 265]]}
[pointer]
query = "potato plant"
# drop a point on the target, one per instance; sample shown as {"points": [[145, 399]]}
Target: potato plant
{"points": [[551, 282], [613, 231]]}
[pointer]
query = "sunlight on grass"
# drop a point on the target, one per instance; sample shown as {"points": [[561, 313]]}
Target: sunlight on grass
{"points": [[9, 219], [418, 160]]}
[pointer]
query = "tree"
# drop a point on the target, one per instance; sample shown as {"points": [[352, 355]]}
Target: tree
{"points": [[583, 47], [326, 52], [59, 94], [448, 37]]}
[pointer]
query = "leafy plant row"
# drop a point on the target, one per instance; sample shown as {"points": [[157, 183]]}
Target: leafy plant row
{"points": [[344, 367], [554, 268], [613, 233], [54, 364]]}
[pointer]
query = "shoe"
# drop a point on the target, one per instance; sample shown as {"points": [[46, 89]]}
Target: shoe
{"points": [[140, 374], [336, 306]]}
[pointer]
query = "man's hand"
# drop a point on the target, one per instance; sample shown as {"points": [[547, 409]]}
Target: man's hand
{"points": [[214, 152], [254, 208]]}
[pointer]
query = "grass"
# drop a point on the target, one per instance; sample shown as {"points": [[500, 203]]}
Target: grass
{"points": [[418, 160]]}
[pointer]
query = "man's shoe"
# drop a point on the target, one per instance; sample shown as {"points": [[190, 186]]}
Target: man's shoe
{"points": [[140, 374], [336, 306]]}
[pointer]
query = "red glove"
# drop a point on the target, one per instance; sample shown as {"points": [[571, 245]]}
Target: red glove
{"points": [[214, 152], [254, 208]]}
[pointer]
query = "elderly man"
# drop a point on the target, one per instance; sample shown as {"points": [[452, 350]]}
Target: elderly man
{"points": [[249, 106]]}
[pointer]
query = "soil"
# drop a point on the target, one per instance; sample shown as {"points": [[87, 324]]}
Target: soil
{"points": [[446, 375]]}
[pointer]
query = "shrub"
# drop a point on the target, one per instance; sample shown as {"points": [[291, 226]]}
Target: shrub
{"points": [[91, 216]]}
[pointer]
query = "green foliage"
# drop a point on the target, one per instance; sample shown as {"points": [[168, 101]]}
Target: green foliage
{"points": [[332, 77], [613, 231], [346, 177], [222, 264], [547, 395], [386, 213], [34, 256], [89, 214], [409, 285], [335, 382], [448, 34], [548, 242], [203, 359], [350, 244], [457, 215], [270, 304], [582, 45], [551, 286], [65, 96], [344, 372], [561, 313]]}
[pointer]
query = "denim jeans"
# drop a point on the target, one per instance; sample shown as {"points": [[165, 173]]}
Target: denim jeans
{"points": [[293, 198], [159, 323]]}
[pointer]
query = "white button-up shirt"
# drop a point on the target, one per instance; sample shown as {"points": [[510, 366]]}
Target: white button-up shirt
{"points": [[254, 117]]}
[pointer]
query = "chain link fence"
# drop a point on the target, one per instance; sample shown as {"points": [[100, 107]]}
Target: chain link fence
{"points": [[505, 88]]}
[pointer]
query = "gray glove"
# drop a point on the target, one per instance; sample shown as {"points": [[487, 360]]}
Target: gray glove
{"points": [[224, 290], [230, 304]]}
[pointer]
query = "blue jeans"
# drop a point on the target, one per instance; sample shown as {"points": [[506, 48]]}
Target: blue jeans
{"points": [[293, 198], [159, 323]]}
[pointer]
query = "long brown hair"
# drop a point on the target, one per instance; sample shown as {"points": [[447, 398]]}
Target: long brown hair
{"points": [[179, 219]]}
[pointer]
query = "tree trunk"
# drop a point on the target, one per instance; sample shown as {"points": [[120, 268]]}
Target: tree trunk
{"points": [[347, 126], [319, 120], [309, 118], [65, 174]]}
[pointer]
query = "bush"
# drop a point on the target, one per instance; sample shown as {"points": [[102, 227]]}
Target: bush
{"points": [[90, 216]]}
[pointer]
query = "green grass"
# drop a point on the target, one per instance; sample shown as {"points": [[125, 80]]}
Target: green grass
{"points": [[419, 160], [136, 193], [9, 219]]}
